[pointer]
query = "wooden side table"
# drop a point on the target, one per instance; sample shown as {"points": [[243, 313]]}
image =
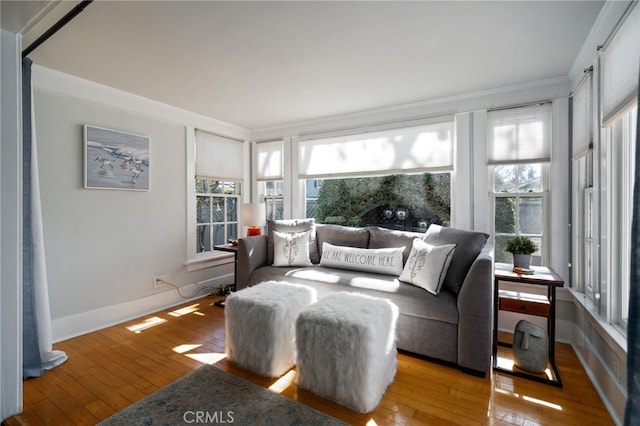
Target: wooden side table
{"points": [[531, 304], [231, 249]]}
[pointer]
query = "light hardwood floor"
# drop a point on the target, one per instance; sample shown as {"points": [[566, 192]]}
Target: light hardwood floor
{"points": [[109, 369]]}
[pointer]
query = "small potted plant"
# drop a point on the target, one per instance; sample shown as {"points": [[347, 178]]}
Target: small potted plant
{"points": [[522, 247]]}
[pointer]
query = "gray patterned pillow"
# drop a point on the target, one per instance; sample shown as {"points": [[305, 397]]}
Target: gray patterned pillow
{"points": [[427, 265]]}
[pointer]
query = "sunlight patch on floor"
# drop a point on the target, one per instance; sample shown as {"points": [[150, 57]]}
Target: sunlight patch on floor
{"points": [[147, 323], [372, 422], [184, 311], [208, 358], [283, 382], [529, 399], [186, 347]]}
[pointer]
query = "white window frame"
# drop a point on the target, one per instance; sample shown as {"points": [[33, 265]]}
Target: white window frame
{"points": [[237, 196], [196, 261], [271, 198], [544, 194], [620, 147]]}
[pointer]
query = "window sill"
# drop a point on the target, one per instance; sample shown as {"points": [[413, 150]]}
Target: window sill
{"points": [[209, 260], [609, 332]]}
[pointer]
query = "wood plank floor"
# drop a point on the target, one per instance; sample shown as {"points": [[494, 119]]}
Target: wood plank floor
{"points": [[109, 369]]}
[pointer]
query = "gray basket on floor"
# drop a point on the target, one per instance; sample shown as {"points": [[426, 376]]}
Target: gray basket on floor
{"points": [[530, 347]]}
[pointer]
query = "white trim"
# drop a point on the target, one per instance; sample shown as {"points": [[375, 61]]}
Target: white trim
{"points": [[11, 226], [472, 101], [481, 183], [97, 319], [462, 177], [190, 178], [213, 258]]}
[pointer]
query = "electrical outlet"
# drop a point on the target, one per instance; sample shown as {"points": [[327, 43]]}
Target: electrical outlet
{"points": [[158, 281]]}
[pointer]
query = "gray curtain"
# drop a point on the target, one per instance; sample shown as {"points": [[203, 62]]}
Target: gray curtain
{"points": [[38, 354], [632, 409]]}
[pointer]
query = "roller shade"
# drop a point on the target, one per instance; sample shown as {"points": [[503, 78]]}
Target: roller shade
{"points": [[269, 160], [421, 148], [582, 116], [619, 65], [218, 157], [519, 135]]}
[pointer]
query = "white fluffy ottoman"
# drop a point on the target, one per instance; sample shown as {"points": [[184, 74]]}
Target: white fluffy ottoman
{"points": [[260, 326], [347, 349]]}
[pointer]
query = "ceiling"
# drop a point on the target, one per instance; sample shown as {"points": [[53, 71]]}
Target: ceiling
{"points": [[263, 64]]}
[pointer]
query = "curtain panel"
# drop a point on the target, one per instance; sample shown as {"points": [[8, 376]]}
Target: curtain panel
{"points": [[38, 353]]}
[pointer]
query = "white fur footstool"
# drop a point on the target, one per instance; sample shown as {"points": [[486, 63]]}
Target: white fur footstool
{"points": [[347, 349], [260, 326]]}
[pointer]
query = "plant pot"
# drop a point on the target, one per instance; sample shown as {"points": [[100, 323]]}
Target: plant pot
{"points": [[522, 260]]}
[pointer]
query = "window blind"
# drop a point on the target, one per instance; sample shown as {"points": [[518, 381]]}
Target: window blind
{"points": [[619, 66], [582, 116], [519, 135], [218, 157], [269, 160], [420, 148]]}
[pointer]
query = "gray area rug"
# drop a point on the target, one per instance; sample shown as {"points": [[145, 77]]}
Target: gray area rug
{"points": [[212, 396]]}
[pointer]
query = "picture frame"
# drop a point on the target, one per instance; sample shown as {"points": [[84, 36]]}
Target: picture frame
{"points": [[115, 160]]}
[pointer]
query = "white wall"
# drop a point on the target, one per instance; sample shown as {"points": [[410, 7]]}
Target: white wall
{"points": [[103, 247]]}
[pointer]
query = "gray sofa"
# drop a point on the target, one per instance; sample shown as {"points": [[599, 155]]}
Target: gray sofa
{"points": [[453, 326]]}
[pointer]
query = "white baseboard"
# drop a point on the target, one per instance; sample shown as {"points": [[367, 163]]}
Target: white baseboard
{"points": [[97, 319]]}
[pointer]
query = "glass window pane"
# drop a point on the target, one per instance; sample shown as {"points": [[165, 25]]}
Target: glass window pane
{"points": [[536, 258], [275, 208], [232, 209], [217, 209], [231, 188], [505, 215], [500, 254], [203, 238], [218, 234], [203, 210], [413, 201], [505, 178], [530, 215], [530, 178], [232, 231]]}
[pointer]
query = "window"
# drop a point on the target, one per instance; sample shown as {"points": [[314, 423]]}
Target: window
{"points": [[214, 185], [620, 137], [273, 199], [519, 204], [519, 151], [403, 202], [217, 213]]}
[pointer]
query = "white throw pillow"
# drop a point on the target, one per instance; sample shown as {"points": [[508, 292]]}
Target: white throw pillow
{"points": [[291, 249], [386, 261], [427, 265]]}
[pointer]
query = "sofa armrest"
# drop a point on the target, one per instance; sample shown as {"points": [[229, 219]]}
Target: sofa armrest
{"points": [[252, 254], [475, 314]]}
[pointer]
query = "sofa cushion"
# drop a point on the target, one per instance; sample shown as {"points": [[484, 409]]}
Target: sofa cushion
{"points": [[293, 225], [383, 238], [427, 265], [339, 235], [387, 261], [411, 300], [291, 248], [468, 246]]}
